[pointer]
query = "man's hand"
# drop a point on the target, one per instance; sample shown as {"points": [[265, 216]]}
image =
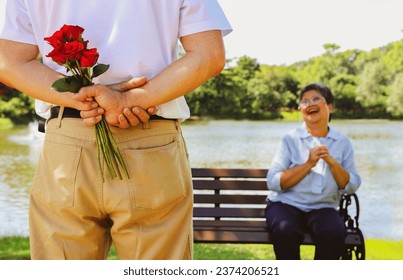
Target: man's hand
{"points": [[135, 116], [111, 101]]}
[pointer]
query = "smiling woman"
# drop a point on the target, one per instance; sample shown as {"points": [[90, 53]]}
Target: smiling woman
{"points": [[313, 166], [311, 104]]}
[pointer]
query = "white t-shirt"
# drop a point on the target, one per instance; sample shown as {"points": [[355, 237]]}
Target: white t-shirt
{"points": [[135, 37]]}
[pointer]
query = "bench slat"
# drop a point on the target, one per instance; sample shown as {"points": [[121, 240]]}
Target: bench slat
{"points": [[229, 172], [228, 212], [200, 224], [229, 185], [231, 236], [230, 199], [213, 236]]}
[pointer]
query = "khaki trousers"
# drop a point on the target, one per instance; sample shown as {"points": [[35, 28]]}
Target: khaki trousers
{"points": [[73, 215]]}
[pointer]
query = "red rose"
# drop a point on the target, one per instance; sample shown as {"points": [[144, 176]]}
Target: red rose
{"points": [[58, 57], [89, 57], [68, 51], [67, 33], [72, 49], [72, 32], [56, 40]]}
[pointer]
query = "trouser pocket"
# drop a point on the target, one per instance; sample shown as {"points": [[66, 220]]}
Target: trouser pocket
{"points": [[159, 176], [54, 181]]}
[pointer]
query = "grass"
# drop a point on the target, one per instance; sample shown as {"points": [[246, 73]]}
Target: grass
{"points": [[17, 248], [14, 248], [384, 249], [242, 252]]}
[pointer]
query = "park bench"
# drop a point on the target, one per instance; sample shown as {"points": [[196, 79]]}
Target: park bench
{"points": [[229, 208]]}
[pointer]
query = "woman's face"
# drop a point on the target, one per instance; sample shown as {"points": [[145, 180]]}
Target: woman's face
{"points": [[314, 108]]}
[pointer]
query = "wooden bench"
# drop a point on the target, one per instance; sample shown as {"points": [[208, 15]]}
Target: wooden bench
{"points": [[229, 208]]}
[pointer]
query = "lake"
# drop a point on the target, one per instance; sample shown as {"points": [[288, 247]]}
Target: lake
{"points": [[378, 149]]}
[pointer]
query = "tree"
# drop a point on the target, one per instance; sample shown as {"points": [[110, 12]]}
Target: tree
{"points": [[226, 94], [270, 91], [344, 87], [323, 68], [16, 106], [395, 99], [392, 57], [371, 90]]}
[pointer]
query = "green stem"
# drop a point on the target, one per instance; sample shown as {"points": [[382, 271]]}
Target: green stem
{"points": [[105, 148], [110, 150], [73, 70], [117, 154], [99, 155]]}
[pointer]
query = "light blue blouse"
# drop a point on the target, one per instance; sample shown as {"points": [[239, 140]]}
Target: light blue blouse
{"points": [[318, 189]]}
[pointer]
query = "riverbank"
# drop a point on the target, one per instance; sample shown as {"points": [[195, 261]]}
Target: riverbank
{"points": [[5, 124], [17, 248]]}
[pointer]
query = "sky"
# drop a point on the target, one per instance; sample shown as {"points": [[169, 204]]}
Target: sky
{"points": [[286, 31]]}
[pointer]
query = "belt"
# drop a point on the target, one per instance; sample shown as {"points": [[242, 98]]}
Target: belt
{"points": [[74, 113], [67, 113], [54, 113]]}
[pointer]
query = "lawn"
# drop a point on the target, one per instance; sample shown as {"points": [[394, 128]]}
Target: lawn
{"points": [[17, 248]]}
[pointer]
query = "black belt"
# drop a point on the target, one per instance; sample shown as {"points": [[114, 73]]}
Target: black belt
{"points": [[67, 113], [74, 113], [54, 113]]}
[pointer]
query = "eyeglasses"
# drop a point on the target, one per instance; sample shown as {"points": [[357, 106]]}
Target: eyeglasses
{"points": [[304, 103]]}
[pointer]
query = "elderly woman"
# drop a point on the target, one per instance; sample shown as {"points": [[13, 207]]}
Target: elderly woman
{"points": [[314, 164]]}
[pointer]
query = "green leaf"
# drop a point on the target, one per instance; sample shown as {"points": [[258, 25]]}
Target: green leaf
{"points": [[75, 85], [61, 85], [99, 69], [67, 84]]}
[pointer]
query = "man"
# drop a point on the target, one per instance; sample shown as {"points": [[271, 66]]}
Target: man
{"points": [[73, 215]]}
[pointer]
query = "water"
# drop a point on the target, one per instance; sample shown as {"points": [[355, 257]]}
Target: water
{"points": [[378, 149]]}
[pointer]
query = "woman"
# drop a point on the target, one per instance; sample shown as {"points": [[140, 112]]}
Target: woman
{"points": [[314, 164]]}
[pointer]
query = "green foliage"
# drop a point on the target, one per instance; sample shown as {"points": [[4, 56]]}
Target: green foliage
{"points": [[17, 107], [395, 99], [392, 58], [371, 90], [75, 82], [226, 95], [271, 90], [67, 84], [364, 84], [99, 69]]}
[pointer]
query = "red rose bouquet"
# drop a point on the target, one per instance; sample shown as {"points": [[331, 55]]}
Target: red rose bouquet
{"points": [[71, 51]]}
